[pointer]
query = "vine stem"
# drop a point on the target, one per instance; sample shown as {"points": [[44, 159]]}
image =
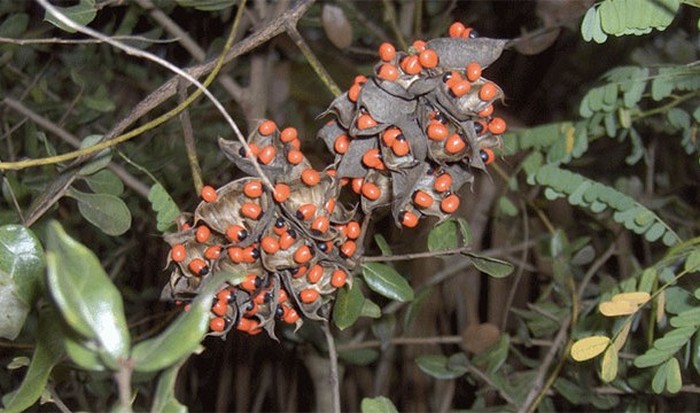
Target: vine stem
{"points": [[333, 378], [202, 89], [415, 255], [321, 71]]}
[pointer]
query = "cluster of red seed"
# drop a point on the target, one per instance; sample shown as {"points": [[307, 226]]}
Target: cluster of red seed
{"points": [[406, 137]]}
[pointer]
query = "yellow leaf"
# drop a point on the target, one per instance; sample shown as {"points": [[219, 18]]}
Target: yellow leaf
{"points": [[637, 297], [617, 308], [621, 337], [660, 306], [608, 367], [589, 347]]}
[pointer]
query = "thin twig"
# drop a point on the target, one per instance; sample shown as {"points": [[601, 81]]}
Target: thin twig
{"points": [[521, 269], [416, 255], [321, 71], [58, 40], [190, 145], [128, 179], [334, 378]]}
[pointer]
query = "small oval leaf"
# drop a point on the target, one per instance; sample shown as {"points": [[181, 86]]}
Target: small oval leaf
{"points": [[636, 297], [437, 365], [377, 405], [384, 280], [589, 347], [617, 308], [608, 366], [348, 306], [491, 266], [443, 236], [107, 212]]}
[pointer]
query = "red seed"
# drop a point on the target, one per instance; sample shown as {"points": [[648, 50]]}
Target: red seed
{"points": [[178, 253], [419, 45], [357, 185], [209, 194], [330, 205], [339, 278], [290, 316], [267, 154], [281, 192], [488, 91], [409, 219], [400, 147], [223, 295], [443, 183], [250, 254], [353, 229], [455, 144], [372, 158], [267, 127], [308, 295], [437, 131], [366, 121], [236, 233], [251, 210], [359, 79], [303, 254], [310, 177], [390, 135], [411, 65], [486, 112], [450, 204], [342, 142], [269, 244], [202, 234], [460, 88], [487, 156], [281, 296], [198, 267], [320, 224], [387, 52], [249, 283], [295, 156], [453, 78], [422, 199], [253, 189], [314, 274], [220, 308], [388, 72], [497, 126], [289, 134], [217, 324], [306, 211], [235, 254], [348, 249], [371, 191], [354, 92], [473, 71], [456, 29], [286, 241], [428, 58]]}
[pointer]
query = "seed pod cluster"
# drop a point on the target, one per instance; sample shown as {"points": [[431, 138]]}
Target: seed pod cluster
{"points": [[405, 138]]}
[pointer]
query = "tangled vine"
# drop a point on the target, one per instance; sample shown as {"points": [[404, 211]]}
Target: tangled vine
{"points": [[405, 138]]}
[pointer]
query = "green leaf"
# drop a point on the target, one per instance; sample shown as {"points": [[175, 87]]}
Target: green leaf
{"points": [[385, 281], [465, 230], [507, 207], [166, 209], [164, 400], [14, 25], [84, 353], [415, 306], [491, 266], [207, 5], [100, 160], [658, 383], [377, 405], [436, 365], [105, 182], [183, 336], [107, 212], [22, 265], [443, 236], [47, 354], [370, 309], [652, 357], [88, 300], [692, 262], [360, 356], [382, 244], [82, 13], [674, 381], [349, 304]]}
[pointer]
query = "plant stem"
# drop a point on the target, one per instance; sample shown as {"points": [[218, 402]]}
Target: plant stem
{"points": [[333, 378]]}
